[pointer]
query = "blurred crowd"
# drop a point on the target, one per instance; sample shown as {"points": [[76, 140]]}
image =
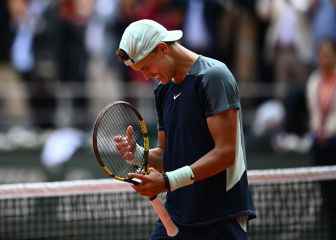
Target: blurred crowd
{"points": [[272, 46]]}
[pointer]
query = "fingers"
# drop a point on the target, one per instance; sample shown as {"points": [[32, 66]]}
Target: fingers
{"points": [[152, 170], [123, 147], [130, 134], [140, 176], [144, 177], [126, 145], [143, 188], [150, 185], [130, 137]]}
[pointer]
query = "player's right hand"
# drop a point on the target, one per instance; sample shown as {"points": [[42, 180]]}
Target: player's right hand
{"points": [[126, 145]]}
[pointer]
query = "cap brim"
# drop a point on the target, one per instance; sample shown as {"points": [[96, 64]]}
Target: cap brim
{"points": [[173, 35]]}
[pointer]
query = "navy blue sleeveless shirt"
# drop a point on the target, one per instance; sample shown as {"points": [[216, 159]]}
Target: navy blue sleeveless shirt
{"points": [[209, 88]]}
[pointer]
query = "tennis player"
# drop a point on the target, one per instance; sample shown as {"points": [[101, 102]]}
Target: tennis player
{"points": [[200, 158]]}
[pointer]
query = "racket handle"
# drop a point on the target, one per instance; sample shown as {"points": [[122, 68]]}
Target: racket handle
{"points": [[130, 180], [164, 216]]}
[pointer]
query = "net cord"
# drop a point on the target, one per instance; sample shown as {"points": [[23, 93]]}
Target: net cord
{"points": [[256, 177]]}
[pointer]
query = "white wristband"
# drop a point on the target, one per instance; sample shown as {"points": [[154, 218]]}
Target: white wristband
{"points": [[180, 177]]}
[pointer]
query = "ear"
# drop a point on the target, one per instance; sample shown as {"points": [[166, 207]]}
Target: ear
{"points": [[163, 48]]}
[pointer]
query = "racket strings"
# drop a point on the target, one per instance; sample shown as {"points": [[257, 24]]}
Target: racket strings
{"points": [[114, 123]]}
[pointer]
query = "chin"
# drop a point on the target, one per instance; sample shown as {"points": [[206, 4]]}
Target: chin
{"points": [[165, 81], [162, 81]]}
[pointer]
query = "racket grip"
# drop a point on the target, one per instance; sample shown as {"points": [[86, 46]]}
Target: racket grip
{"points": [[161, 211], [129, 180]]}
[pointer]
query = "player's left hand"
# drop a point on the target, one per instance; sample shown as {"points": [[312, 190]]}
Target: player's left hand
{"points": [[151, 184]]}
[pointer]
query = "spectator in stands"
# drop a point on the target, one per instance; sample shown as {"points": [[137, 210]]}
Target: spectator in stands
{"points": [[288, 44], [201, 24], [71, 61], [321, 97], [32, 57], [323, 17], [72, 57], [5, 39]]}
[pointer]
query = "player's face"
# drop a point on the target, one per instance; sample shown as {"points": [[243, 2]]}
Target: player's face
{"points": [[157, 65]]}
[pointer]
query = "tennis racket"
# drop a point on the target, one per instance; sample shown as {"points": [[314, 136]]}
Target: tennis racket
{"points": [[115, 121]]}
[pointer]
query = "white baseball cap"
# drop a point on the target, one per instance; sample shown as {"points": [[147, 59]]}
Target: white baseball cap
{"points": [[141, 37]]}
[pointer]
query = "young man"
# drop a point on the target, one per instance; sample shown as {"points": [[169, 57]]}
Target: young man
{"points": [[200, 160]]}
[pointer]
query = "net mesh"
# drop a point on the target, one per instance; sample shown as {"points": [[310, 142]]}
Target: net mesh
{"points": [[293, 204], [290, 205]]}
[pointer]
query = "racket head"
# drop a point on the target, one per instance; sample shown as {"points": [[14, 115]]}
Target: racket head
{"points": [[113, 121]]}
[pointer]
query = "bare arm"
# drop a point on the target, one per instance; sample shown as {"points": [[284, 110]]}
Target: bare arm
{"points": [[156, 154], [222, 127]]}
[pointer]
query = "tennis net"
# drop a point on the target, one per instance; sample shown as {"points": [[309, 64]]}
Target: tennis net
{"points": [[289, 205]]}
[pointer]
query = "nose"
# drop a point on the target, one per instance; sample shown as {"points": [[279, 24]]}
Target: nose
{"points": [[146, 75]]}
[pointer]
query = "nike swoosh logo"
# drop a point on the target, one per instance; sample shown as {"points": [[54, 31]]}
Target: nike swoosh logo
{"points": [[177, 95]]}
